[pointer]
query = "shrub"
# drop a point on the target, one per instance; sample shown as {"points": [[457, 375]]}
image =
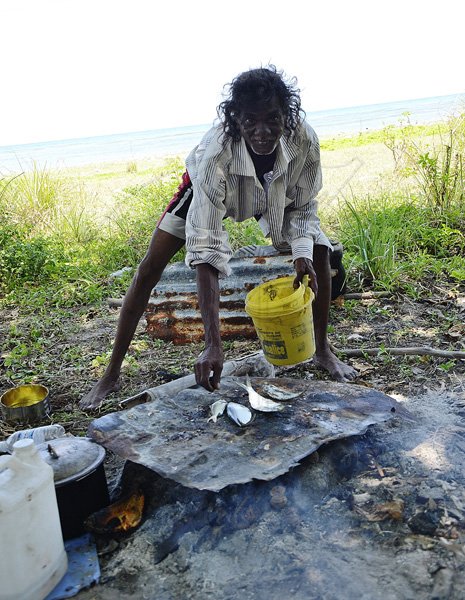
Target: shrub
{"points": [[22, 258]]}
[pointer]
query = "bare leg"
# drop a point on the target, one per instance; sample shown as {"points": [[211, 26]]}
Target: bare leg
{"points": [[324, 357], [163, 247]]}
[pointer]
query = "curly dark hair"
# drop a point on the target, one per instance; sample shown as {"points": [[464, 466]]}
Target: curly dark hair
{"points": [[258, 85]]}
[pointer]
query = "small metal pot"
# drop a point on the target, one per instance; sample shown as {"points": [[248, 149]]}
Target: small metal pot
{"points": [[25, 404], [80, 481]]}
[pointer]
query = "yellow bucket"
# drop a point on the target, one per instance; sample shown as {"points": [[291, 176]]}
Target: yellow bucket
{"points": [[282, 317]]}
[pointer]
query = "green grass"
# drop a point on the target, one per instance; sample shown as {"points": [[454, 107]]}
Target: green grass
{"points": [[382, 136], [54, 247], [393, 241], [369, 230], [401, 238], [57, 248], [60, 241]]}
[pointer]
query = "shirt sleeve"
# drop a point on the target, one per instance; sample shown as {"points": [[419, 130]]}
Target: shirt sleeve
{"points": [[301, 225], [206, 238]]}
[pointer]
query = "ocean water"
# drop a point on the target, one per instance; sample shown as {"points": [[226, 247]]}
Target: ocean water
{"points": [[180, 140]]}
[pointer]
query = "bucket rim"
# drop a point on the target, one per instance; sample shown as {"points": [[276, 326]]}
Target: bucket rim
{"points": [[277, 311], [294, 296]]}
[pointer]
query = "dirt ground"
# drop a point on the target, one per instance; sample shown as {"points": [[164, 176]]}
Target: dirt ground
{"points": [[380, 515]]}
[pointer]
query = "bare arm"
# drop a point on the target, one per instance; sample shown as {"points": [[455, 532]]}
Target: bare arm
{"points": [[212, 357]]}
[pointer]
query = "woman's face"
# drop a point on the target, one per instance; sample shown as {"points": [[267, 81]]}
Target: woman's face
{"points": [[262, 126]]}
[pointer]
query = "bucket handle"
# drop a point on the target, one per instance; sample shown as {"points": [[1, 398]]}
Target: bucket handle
{"points": [[304, 282]]}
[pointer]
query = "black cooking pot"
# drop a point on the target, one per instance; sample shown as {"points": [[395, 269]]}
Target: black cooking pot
{"points": [[80, 481]]}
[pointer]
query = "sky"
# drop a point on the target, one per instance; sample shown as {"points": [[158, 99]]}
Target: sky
{"points": [[78, 68]]}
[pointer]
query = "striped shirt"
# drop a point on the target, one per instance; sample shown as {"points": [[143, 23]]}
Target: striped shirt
{"points": [[225, 185]]}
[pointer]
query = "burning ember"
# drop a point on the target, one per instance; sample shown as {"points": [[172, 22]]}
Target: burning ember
{"points": [[121, 517]]}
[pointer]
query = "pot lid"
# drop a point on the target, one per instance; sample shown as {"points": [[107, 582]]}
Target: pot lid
{"points": [[71, 458]]}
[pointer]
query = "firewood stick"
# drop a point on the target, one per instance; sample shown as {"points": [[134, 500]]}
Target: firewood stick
{"points": [[414, 350], [115, 302], [366, 295]]}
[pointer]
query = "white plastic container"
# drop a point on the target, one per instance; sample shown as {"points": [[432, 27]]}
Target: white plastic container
{"points": [[32, 553], [38, 434]]}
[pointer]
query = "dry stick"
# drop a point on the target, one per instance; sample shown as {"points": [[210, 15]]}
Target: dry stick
{"points": [[366, 295], [415, 350], [117, 302]]}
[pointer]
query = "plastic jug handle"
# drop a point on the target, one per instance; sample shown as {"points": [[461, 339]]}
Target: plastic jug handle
{"points": [[8, 461], [4, 462]]}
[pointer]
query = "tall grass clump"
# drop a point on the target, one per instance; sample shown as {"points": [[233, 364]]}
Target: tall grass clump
{"points": [[32, 198], [23, 258], [47, 204], [48, 240], [57, 244], [76, 222], [434, 163], [397, 242], [27, 204], [136, 211], [370, 230], [404, 238]]}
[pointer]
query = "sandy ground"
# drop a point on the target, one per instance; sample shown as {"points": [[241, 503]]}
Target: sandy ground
{"points": [[363, 169], [355, 171]]}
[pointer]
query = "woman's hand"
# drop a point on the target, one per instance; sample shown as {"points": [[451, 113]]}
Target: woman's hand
{"points": [[304, 266], [211, 359]]}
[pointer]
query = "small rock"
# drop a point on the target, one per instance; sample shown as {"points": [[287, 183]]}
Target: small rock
{"points": [[424, 522], [278, 499], [355, 337], [443, 581], [426, 493], [120, 272], [361, 498]]}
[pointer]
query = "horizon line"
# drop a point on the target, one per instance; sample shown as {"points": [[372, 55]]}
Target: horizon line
{"points": [[202, 125]]}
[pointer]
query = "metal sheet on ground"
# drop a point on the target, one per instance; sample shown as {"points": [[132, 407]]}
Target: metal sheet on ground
{"points": [[174, 438], [173, 313]]}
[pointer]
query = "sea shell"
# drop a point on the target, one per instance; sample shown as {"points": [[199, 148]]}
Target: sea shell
{"points": [[217, 409], [258, 402], [240, 414]]}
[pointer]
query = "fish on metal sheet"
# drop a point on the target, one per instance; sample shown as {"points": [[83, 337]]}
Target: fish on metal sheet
{"points": [[240, 414], [258, 402], [278, 393], [217, 409]]}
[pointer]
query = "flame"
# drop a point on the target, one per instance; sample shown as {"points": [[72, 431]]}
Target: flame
{"points": [[120, 517]]}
